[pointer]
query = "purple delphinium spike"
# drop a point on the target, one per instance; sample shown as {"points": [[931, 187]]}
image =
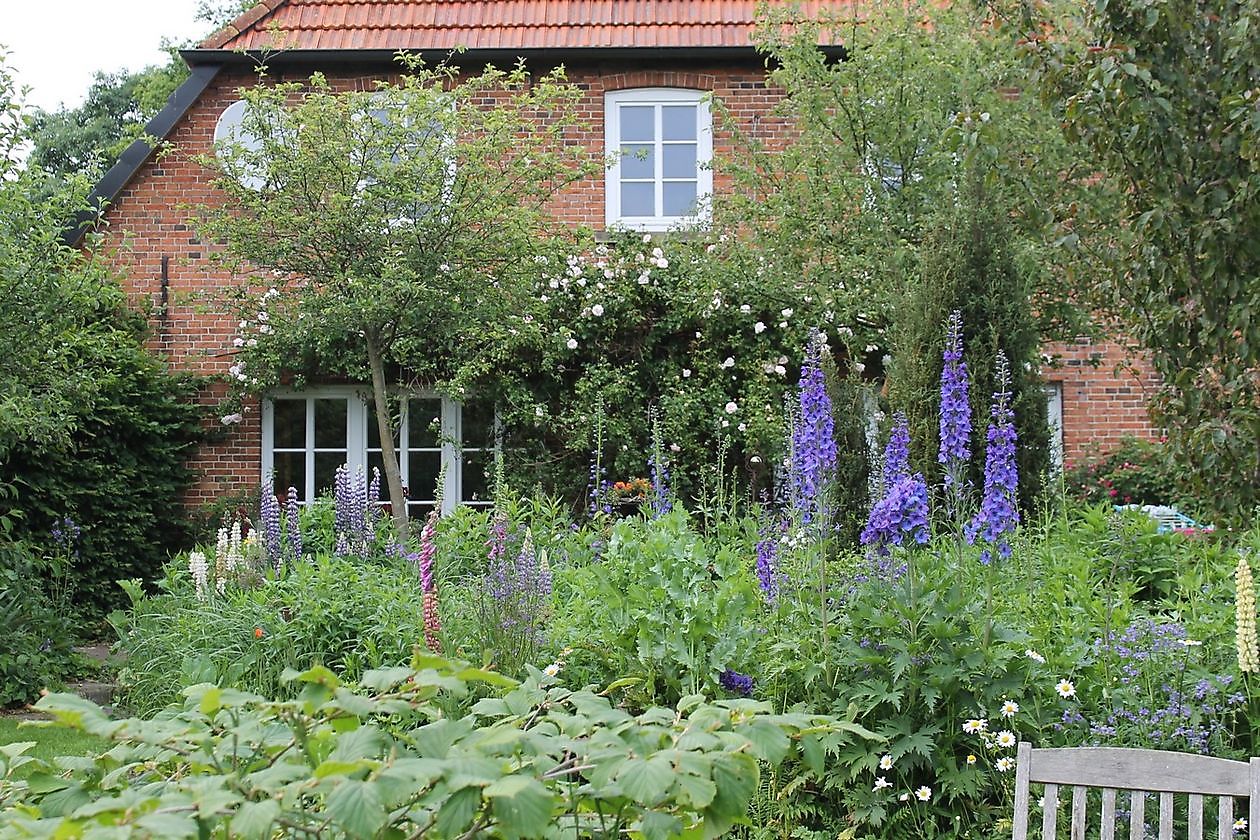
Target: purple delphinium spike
{"points": [[955, 443], [269, 514], [999, 511], [736, 683], [293, 524], [897, 453], [768, 560], [813, 437], [902, 512], [658, 469]]}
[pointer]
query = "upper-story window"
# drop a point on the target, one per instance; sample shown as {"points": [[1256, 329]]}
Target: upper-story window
{"points": [[661, 142]]}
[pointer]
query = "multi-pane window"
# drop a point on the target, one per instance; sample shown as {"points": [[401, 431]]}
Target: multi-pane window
{"points": [[660, 141], [306, 436]]}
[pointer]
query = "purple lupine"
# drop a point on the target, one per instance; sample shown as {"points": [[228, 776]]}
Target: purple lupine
{"points": [[736, 683], [999, 511], [269, 515], [902, 512], [955, 444], [768, 560], [813, 434], [896, 453], [356, 509], [293, 524]]}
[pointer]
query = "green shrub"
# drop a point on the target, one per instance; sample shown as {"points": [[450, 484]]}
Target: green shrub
{"points": [[383, 761], [1137, 472], [36, 652], [122, 478]]}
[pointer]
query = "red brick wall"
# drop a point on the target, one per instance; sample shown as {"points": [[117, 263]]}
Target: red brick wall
{"points": [[1106, 387], [149, 221]]}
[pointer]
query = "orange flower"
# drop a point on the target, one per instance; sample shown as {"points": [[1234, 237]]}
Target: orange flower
{"points": [[258, 632]]}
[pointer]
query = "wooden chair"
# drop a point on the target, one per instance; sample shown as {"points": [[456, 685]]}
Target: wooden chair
{"points": [[1137, 771]]}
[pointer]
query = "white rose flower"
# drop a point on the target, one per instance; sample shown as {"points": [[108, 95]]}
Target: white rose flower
{"points": [[731, 407], [597, 310], [571, 344], [759, 328]]}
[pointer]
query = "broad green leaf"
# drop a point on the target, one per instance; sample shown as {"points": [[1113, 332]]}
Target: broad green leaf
{"points": [[357, 807], [521, 804], [457, 812], [646, 780], [254, 819], [696, 790]]}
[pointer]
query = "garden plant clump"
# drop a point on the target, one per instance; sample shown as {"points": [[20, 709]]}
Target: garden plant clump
{"points": [[790, 677]]}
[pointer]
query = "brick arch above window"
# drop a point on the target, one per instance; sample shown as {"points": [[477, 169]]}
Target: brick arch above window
{"points": [[705, 82]]}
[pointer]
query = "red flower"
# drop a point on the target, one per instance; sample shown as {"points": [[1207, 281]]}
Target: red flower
{"points": [[258, 632]]}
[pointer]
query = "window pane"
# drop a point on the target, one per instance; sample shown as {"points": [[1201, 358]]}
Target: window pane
{"points": [[678, 122], [424, 424], [638, 122], [476, 477], [375, 461], [289, 424], [330, 425], [373, 432], [679, 160], [638, 199], [478, 425], [326, 464], [418, 510], [637, 162], [290, 471], [423, 468], [679, 198]]}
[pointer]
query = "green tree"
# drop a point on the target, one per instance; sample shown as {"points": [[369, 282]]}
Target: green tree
{"points": [[395, 229], [1166, 98], [89, 138]]}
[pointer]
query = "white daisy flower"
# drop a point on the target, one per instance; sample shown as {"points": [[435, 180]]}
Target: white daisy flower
{"points": [[1065, 688], [974, 726], [923, 794], [1034, 656], [1009, 708], [886, 763], [1006, 739], [881, 783], [1005, 763]]}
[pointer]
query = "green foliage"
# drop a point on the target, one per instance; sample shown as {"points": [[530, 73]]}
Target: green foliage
{"points": [[972, 263], [1163, 97], [384, 761], [89, 138], [37, 632]]}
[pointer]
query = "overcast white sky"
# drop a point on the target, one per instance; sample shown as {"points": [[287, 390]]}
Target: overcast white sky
{"points": [[56, 45]]}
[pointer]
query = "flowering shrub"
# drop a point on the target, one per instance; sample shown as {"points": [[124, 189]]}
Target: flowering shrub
{"points": [[1137, 472]]}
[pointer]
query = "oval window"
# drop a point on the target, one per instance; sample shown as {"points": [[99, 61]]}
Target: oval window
{"points": [[231, 129]]}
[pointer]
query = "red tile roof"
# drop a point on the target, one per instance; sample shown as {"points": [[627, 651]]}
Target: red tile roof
{"points": [[496, 24]]}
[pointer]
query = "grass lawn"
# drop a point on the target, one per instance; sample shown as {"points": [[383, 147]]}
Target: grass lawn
{"points": [[50, 741]]}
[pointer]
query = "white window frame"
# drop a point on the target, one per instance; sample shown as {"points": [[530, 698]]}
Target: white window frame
{"points": [[357, 418], [613, 100], [1054, 419]]}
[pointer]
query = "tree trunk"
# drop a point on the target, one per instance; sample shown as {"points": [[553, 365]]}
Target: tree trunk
{"points": [[385, 426]]}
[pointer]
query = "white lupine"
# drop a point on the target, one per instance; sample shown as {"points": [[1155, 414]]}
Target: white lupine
{"points": [[199, 566]]}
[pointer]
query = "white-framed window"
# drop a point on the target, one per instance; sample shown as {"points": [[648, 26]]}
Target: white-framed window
{"points": [[308, 434], [1054, 419], [660, 142]]}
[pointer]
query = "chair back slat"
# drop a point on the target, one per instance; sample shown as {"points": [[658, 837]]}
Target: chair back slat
{"points": [[1019, 822], [1225, 818], [1050, 812], [1152, 770], [1165, 816], [1253, 808], [1078, 812], [1194, 816], [1137, 815], [1107, 831]]}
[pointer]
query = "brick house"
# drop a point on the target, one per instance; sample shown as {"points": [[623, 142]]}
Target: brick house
{"points": [[645, 66]]}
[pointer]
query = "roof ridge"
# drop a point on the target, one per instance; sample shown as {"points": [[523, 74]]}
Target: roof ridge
{"points": [[245, 20]]}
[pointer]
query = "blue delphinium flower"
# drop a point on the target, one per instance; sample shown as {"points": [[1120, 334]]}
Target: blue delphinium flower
{"points": [[955, 448], [813, 437], [897, 453], [270, 516], [903, 512], [768, 560], [999, 511], [736, 683], [659, 470]]}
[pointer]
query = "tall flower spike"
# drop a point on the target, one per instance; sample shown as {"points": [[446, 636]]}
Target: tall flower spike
{"points": [[955, 442], [1245, 617], [768, 560], [813, 436], [293, 524], [999, 510], [897, 453], [269, 514], [428, 586]]}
